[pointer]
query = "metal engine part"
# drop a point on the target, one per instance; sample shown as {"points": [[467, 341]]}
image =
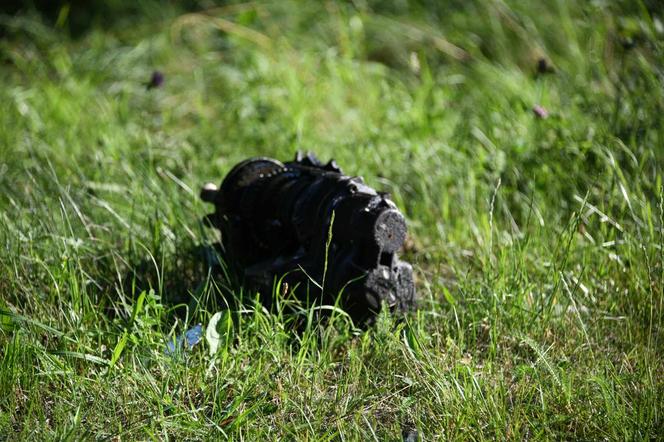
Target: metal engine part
{"points": [[275, 222]]}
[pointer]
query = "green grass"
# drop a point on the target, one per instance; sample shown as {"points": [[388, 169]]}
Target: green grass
{"points": [[538, 244]]}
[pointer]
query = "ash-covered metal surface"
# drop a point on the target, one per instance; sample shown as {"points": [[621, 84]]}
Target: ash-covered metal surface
{"points": [[330, 236]]}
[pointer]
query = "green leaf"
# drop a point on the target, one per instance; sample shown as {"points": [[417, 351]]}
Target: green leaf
{"points": [[448, 296], [85, 356], [117, 352], [138, 306]]}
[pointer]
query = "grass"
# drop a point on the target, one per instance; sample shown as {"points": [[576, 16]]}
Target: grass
{"points": [[538, 243]]}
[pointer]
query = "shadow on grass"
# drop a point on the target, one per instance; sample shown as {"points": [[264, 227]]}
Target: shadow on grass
{"points": [[195, 282], [188, 281], [78, 17]]}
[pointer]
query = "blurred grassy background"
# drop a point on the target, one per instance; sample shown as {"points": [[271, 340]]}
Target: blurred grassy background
{"points": [[522, 139]]}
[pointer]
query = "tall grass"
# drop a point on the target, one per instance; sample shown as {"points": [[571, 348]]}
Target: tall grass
{"points": [[537, 242]]}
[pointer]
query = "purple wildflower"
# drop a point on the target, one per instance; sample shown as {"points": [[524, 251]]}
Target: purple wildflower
{"points": [[157, 80], [540, 111]]}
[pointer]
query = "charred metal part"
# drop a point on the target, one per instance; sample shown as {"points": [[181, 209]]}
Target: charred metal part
{"points": [[275, 219]]}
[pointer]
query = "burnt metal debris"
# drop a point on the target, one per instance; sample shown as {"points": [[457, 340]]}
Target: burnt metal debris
{"points": [[275, 222]]}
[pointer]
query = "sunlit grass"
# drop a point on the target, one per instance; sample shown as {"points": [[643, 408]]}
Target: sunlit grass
{"points": [[537, 242]]}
